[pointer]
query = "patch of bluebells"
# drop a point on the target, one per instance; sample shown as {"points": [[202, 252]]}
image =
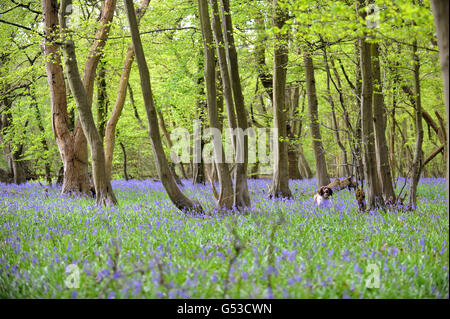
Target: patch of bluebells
{"points": [[164, 253]]}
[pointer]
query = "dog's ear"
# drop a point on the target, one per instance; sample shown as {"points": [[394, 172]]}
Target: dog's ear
{"points": [[330, 191], [320, 191]]}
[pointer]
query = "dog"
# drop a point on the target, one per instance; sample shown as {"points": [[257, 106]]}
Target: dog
{"points": [[361, 199], [323, 196]]}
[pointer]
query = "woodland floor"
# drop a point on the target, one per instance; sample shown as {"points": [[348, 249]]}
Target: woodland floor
{"points": [[145, 248]]}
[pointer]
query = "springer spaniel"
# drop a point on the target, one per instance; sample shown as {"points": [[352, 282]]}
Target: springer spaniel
{"points": [[323, 196]]}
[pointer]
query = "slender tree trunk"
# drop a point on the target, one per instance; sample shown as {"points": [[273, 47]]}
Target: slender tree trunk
{"points": [[162, 166], [103, 189], [358, 156], [120, 98], [440, 11], [280, 187], [43, 140], [418, 153], [225, 200], [198, 167], [379, 119], [102, 99], [374, 195], [13, 156], [260, 55], [319, 152], [294, 172], [335, 123], [125, 174]]}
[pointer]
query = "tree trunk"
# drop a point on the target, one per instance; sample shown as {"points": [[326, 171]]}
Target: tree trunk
{"points": [[120, 98], [102, 99], [379, 119], [43, 140], [418, 153], [198, 169], [13, 156], [319, 152], [225, 200], [162, 166], [260, 55], [241, 196], [335, 123], [103, 189], [374, 195], [440, 11], [280, 187], [72, 145]]}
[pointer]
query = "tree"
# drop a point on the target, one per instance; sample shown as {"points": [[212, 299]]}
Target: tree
{"points": [[417, 163], [440, 10], [374, 197], [102, 183], [225, 200], [319, 151], [379, 119], [176, 196], [280, 185], [120, 97], [71, 143]]}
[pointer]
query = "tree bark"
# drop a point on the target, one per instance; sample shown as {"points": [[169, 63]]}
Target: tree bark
{"points": [[418, 153], [374, 194], [74, 159], [335, 123], [241, 196], [121, 95], [319, 152], [440, 11], [280, 187], [225, 200], [379, 119], [103, 188], [102, 99], [162, 166]]}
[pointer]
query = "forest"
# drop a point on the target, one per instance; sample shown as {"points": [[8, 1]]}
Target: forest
{"points": [[224, 149]]}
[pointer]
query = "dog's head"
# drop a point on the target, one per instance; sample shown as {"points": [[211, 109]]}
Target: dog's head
{"points": [[325, 192]]}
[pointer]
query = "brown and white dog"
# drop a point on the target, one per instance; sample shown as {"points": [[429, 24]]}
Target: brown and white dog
{"points": [[323, 196]]}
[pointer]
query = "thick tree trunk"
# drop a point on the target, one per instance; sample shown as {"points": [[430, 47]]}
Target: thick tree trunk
{"points": [[418, 153], [440, 11], [76, 177], [72, 145], [162, 166], [319, 152], [103, 189], [225, 200], [374, 194], [280, 187], [120, 98], [241, 196], [379, 119]]}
